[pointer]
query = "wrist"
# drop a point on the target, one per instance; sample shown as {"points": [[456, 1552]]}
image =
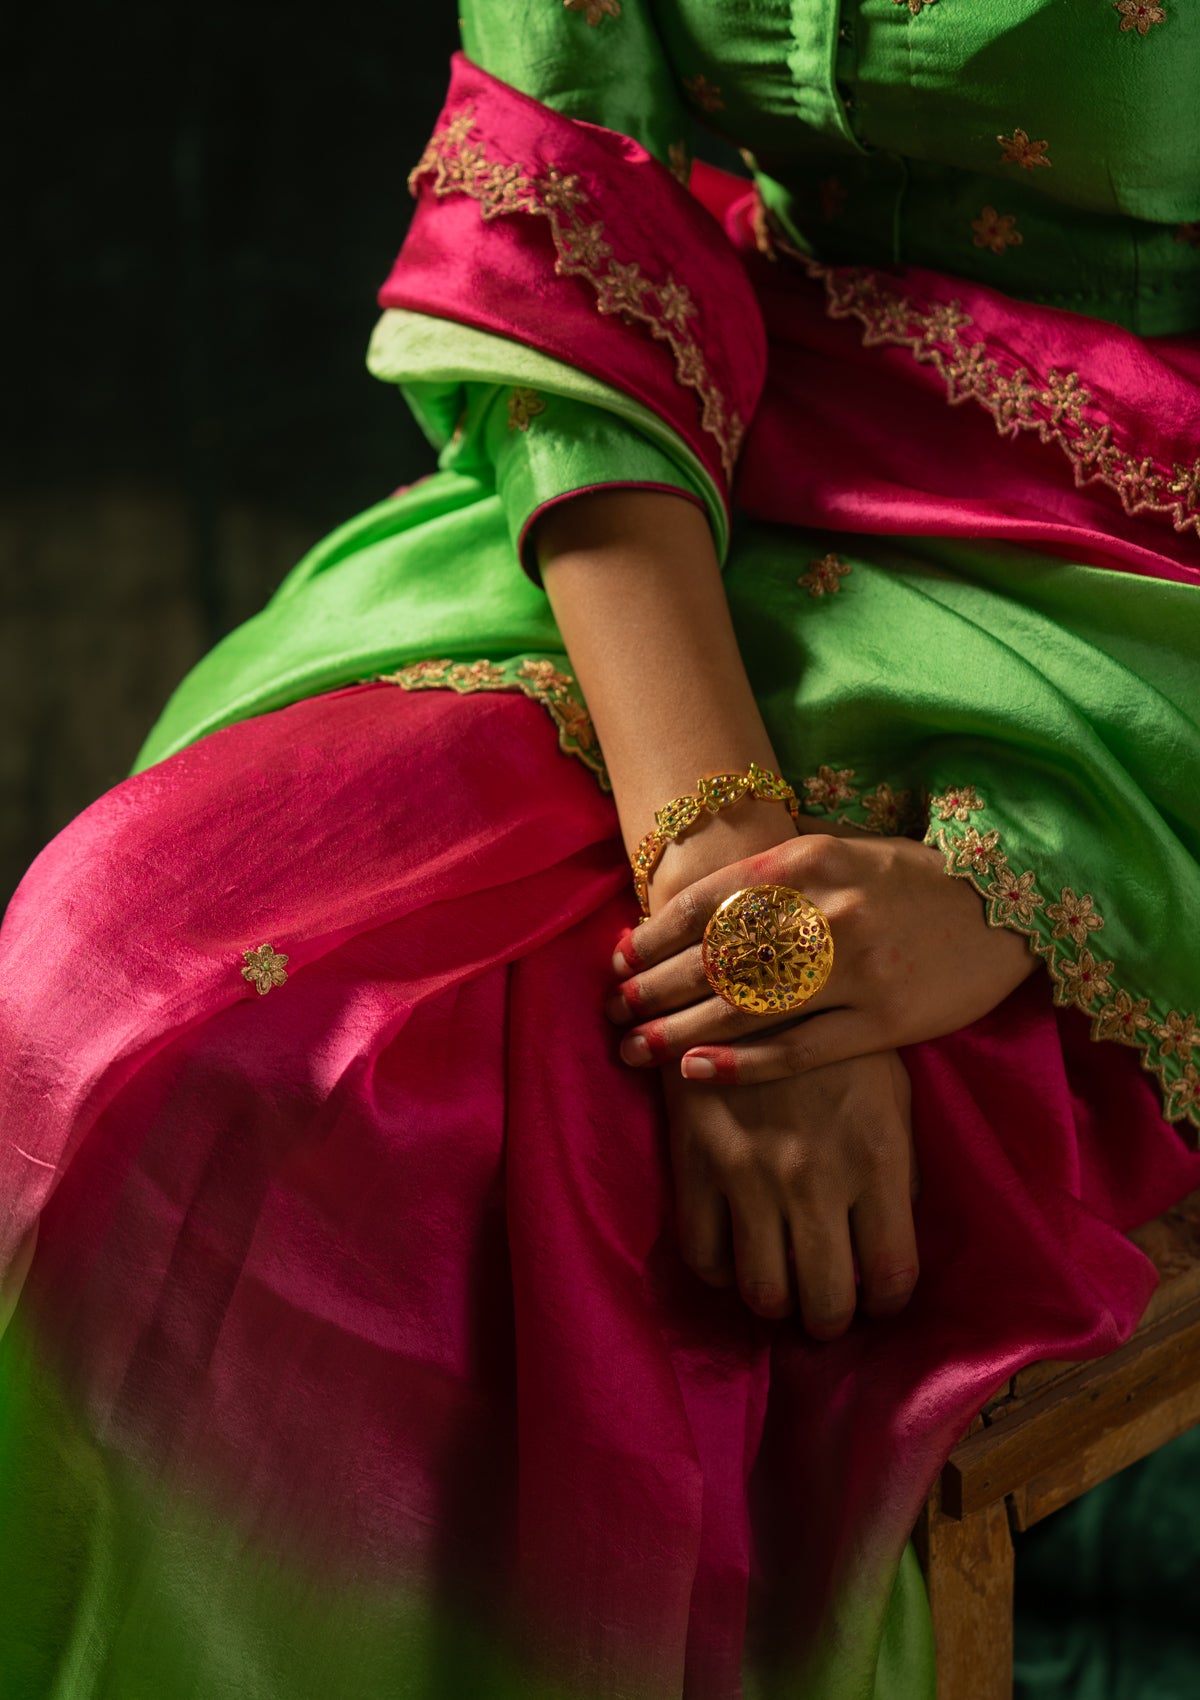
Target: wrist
{"points": [[750, 829]]}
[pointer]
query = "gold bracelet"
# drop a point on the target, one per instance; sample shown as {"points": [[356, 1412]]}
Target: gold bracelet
{"points": [[712, 794]]}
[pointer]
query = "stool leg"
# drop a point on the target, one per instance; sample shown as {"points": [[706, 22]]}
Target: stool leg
{"points": [[968, 1568]]}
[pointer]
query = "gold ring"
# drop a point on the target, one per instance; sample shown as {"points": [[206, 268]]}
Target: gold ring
{"points": [[767, 950]]}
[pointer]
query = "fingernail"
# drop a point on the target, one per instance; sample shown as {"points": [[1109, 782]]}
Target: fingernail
{"points": [[617, 1009], [698, 1068], [635, 1051], [619, 966]]}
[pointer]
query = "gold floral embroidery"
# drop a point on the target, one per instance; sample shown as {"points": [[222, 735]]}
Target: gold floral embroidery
{"points": [[265, 968], [831, 192], [829, 787], [824, 577], [1189, 233], [1019, 150], [1178, 1035], [523, 406], [680, 162], [1079, 977], [706, 95], [914, 6], [1138, 15], [957, 804], [539, 679], [1074, 917], [458, 166], [888, 812], [996, 231], [594, 10], [1052, 405]]}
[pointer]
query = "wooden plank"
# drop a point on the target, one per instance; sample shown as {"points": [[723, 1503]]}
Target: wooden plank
{"points": [[969, 1577], [1050, 1428], [1094, 1464]]}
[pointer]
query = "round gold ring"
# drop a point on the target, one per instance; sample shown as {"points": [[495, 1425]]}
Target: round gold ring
{"points": [[767, 950]]}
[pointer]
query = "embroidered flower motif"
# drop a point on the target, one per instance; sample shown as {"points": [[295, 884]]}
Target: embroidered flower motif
{"points": [[1183, 1095], [419, 673], [575, 721], [971, 372], [523, 405], [1178, 1035], [1189, 233], [1138, 15], [829, 787], [621, 288], [265, 967], [706, 95], [914, 6], [1140, 485], [1065, 397], [977, 852], [594, 10], [546, 676], [1123, 1019], [1073, 916], [1012, 402], [1014, 896], [1185, 482], [1085, 980], [680, 162], [675, 303], [957, 804], [831, 193], [824, 577], [887, 810], [1096, 450], [943, 322], [585, 247], [474, 675], [1019, 150], [560, 191], [996, 231]]}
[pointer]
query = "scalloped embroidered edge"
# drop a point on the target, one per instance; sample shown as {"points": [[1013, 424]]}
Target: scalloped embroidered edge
{"points": [[1052, 406], [459, 167], [557, 692]]}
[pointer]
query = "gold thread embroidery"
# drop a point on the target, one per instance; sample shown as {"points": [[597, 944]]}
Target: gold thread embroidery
{"points": [[458, 166], [1019, 150], [831, 192], [1138, 15], [914, 6], [1059, 934], [1052, 405], [997, 231], [824, 577], [594, 10], [680, 162], [523, 406], [888, 812], [828, 787], [265, 968], [706, 95], [540, 680], [958, 804]]}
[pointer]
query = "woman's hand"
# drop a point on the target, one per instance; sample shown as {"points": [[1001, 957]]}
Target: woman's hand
{"points": [[914, 957], [822, 1167]]}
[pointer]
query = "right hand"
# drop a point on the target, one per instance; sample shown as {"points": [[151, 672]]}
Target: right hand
{"points": [[822, 1162]]}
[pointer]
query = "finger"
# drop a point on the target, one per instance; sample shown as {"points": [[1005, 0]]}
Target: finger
{"points": [[702, 1224], [824, 1268], [882, 1225], [672, 985], [760, 1252], [748, 1061], [670, 1036]]}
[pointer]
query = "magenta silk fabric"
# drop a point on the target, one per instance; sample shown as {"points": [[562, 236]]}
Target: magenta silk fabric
{"points": [[381, 1264], [850, 433]]}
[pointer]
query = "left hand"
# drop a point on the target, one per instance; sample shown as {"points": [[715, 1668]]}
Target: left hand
{"points": [[914, 958]]}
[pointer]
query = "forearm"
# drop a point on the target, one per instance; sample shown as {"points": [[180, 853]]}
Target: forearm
{"points": [[636, 589]]}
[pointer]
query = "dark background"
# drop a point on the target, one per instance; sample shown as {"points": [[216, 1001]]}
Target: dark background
{"points": [[200, 207]]}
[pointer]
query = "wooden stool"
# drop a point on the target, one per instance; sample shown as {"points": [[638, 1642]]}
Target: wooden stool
{"points": [[1051, 1433]]}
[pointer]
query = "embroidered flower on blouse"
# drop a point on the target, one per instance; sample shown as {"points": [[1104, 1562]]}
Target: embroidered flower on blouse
{"points": [[546, 676], [1012, 402], [1015, 897], [585, 246], [829, 787], [887, 810], [1183, 1094], [706, 95], [824, 577], [914, 6], [523, 405], [977, 852], [1124, 1019], [594, 10], [1085, 980], [1065, 397], [943, 322], [621, 288], [675, 303], [1074, 916], [1019, 150], [996, 231], [956, 804], [1178, 1035], [680, 162], [474, 675], [575, 721], [1138, 15], [265, 967], [831, 192]]}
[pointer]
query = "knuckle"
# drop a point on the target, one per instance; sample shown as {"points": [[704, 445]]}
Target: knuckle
{"points": [[767, 1298], [800, 1051], [687, 910]]}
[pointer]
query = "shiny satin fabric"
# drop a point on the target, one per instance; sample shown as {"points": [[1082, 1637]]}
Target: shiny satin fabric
{"points": [[356, 1355]]}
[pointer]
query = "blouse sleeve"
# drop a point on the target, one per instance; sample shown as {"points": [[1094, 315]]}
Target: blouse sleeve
{"points": [[593, 322]]}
